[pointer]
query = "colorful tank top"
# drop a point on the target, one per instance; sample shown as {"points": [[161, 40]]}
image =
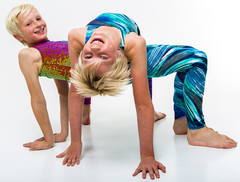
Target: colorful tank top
{"points": [[55, 60], [119, 21]]}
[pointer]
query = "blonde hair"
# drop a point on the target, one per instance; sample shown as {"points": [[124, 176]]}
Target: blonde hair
{"points": [[12, 19], [110, 83]]}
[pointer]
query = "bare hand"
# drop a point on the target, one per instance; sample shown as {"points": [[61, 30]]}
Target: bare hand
{"points": [[151, 166], [38, 145], [72, 154]]}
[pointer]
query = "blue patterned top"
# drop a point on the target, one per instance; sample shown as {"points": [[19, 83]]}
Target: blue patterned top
{"points": [[119, 21]]}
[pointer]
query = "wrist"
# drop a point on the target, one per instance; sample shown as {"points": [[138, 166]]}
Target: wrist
{"points": [[76, 143], [146, 157], [50, 142]]}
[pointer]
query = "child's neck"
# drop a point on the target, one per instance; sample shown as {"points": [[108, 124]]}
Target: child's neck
{"points": [[34, 44]]}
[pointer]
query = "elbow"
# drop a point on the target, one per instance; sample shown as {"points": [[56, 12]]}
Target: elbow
{"points": [[38, 101], [73, 93], [72, 34]]}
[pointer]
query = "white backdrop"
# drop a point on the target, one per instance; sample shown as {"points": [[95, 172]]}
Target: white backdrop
{"points": [[209, 25]]}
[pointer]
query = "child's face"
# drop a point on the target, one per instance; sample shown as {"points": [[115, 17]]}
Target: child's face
{"points": [[33, 28], [100, 48]]}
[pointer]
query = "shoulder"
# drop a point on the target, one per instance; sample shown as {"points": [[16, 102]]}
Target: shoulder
{"points": [[77, 36], [29, 57], [29, 53], [134, 43], [134, 40]]}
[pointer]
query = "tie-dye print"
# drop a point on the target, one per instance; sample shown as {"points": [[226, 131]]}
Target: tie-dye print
{"points": [[56, 63], [55, 60]]}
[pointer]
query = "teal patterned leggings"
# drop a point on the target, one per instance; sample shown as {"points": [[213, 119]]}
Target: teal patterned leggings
{"points": [[190, 66]]}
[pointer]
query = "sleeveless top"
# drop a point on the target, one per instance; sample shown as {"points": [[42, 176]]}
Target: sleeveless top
{"points": [[55, 60], [157, 55], [119, 21]]}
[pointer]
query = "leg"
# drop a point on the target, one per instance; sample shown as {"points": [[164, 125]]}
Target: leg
{"points": [[157, 115], [86, 111], [180, 123], [150, 86], [62, 87], [193, 91], [194, 63], [164, 60], [198, 135]]}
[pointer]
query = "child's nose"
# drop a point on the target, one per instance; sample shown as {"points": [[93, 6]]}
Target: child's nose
{"points": [[95, 48], [37, 23]]}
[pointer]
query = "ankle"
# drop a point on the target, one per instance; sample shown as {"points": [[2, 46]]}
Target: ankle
{"points": [[196, 131]]}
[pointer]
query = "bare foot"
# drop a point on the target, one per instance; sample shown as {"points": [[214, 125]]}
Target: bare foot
{"points": [[86, 114], [207, 137], [180, 126], [59, 137], [158, 116]]}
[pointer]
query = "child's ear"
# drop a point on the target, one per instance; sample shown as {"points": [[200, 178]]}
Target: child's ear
{"points": [[119, 51], [19, 38]]}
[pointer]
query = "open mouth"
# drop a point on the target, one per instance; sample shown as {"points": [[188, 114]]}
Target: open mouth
{"points": [[39, 31], [97, 41]]}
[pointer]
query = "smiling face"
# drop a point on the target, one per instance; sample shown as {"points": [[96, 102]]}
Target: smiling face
{"points": [[32, 27], [100, 48]]}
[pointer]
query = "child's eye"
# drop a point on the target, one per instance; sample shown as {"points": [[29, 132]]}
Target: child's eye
{"points": [[28, 24], [103, 57], [39, 19], [88, 57]]}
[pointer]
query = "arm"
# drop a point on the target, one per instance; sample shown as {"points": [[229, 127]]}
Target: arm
{"points": [[29, 61], [75, 105], [135, 49], [63, 89]]}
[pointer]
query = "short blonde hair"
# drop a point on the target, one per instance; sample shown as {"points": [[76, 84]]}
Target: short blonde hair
{"points": [[110, 83], [12, 18]]}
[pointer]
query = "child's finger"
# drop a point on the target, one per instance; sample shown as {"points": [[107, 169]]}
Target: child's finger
{"points": [[65, 161], [62, 154], [137, 171], [151, 173], [78, 161], [156, 172], [162, 167], [144, 173], [32, 148], [70, 161], [73, 162], [27, 144]]}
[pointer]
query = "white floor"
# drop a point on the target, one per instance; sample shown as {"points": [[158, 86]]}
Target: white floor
{"points": [[110, 143]]}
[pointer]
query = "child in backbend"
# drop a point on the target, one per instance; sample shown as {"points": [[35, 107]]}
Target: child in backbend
{"points": [[49, 59], [106, 51], [43, 58]]}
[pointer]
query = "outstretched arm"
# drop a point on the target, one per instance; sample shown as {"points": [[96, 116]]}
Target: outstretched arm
{"points": [[73, 152], [135, 49], [29, 60]]}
